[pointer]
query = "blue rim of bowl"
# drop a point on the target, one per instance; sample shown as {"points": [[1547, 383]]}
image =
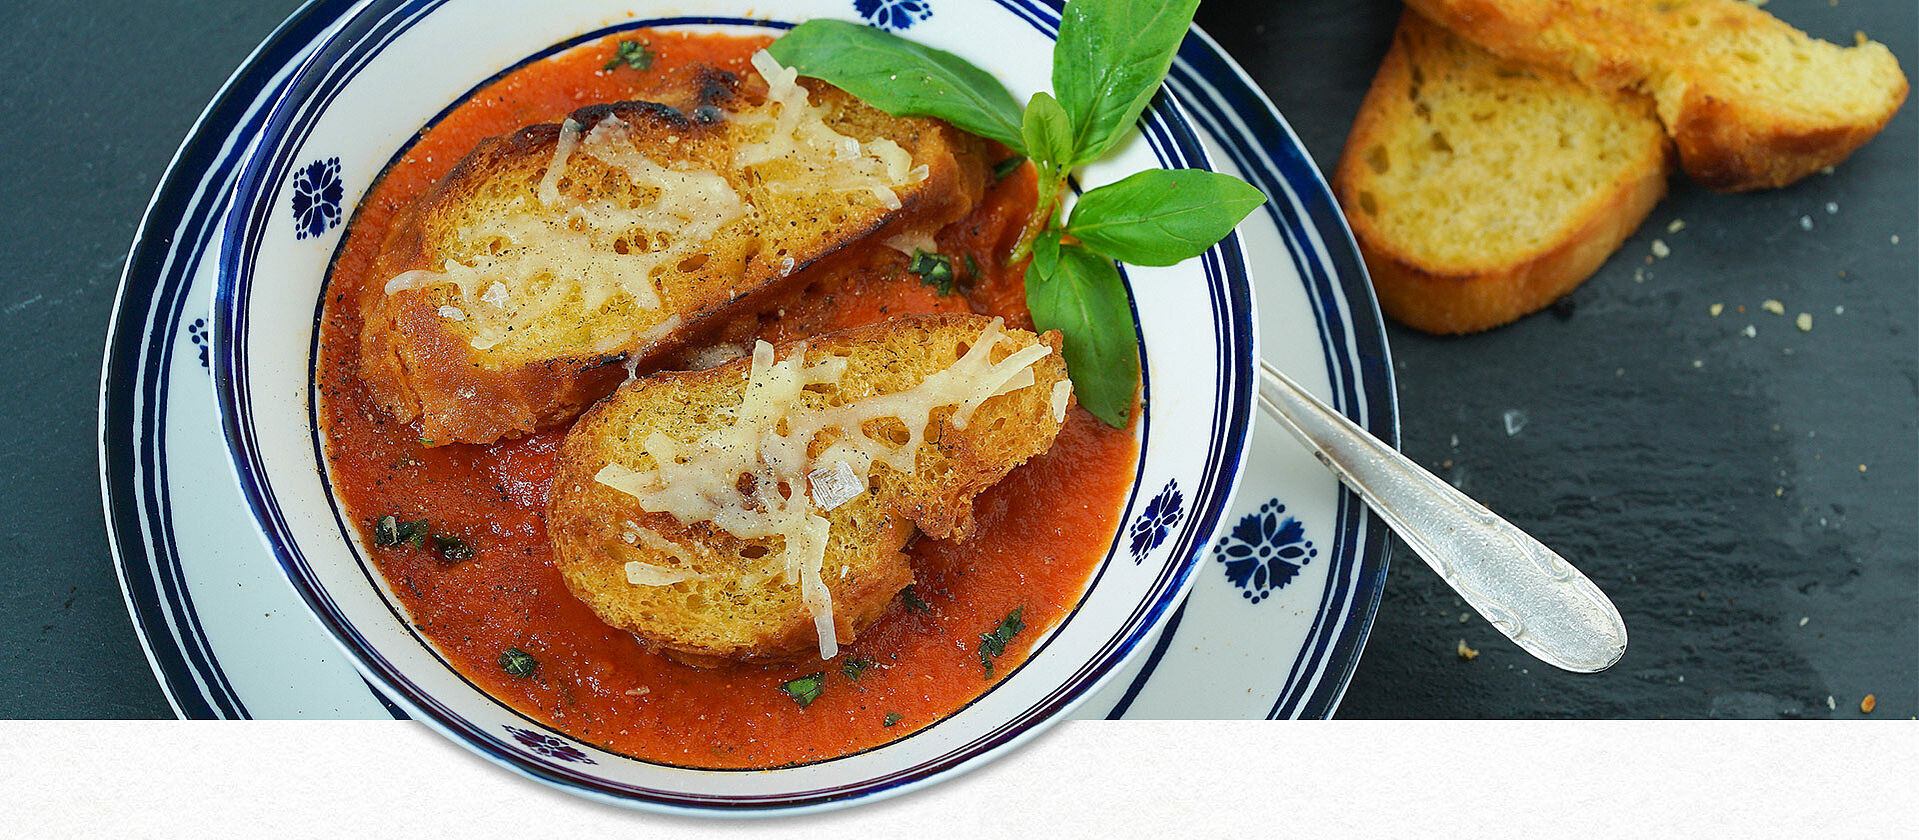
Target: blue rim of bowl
{"points": [[1358, 362], [325, 72], [133, 406]]}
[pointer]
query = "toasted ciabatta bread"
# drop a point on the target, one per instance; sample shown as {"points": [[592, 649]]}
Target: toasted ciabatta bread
{"points": [[506, 300], [757, 510], [1750, 101], [1480, 190]]}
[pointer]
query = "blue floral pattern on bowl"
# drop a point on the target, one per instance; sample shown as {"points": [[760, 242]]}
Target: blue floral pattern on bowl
{"points": [[197, 333], [316, 198], [1265, 551], [549, 746], [1161, 514], [896, 15]]}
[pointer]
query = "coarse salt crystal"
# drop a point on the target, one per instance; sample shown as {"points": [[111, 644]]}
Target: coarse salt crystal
{"points": [[834, 486], [1660, 250], [1805, 223], [1749, 331], [452, 313], [496, 294], [1514, 420], [1832, 207]]}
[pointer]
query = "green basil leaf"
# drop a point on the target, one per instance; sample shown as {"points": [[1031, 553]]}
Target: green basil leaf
{"points": [[1079, 293], [1046, 130], [1109, 60], [1162, 216], [518, 664], [902, 78], [805, 690]]}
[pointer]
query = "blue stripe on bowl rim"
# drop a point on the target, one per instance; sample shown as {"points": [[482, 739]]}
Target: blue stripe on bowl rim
{"points": [[133, 403], [322, 77], [1361, 377]]}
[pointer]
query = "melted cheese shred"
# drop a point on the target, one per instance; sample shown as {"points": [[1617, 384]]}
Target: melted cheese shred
{"points": [[553, 255], [567, 260], [769, 439], [796, 132]]}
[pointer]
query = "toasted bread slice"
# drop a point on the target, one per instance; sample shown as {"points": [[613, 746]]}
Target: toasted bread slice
{"points": [[757, 510], [1750, 101], [1480, 190], [506, 301]]}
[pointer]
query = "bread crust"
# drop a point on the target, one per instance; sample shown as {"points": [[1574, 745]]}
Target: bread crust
{"points": [[422, 366], [1728, 140], [720, 617], [1451, 296]]}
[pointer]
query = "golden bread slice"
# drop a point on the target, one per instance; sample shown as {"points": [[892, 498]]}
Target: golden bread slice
{"points": [[758, 510], [506, 301], [1480, 190], [1750, 101]]}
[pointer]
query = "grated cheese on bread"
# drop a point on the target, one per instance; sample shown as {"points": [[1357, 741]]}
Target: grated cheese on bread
{"points": [[1480, 190], [509, 297], [1750, 101], [758, 510]]}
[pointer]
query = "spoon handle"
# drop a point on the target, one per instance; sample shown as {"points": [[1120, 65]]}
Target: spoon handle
{"points": [[1526, 590]]}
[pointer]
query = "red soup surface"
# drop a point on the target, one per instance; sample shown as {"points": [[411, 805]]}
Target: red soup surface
{"points": [[1040, 533]]}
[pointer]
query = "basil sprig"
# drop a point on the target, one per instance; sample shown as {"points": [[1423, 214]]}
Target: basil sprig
{"points": [[1108, 62]]}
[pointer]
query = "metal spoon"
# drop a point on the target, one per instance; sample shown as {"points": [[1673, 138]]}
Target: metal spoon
{"points": [[1528, 592]]}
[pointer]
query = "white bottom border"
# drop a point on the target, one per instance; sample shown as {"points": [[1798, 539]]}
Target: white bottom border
{"points": [[1092, 779]]}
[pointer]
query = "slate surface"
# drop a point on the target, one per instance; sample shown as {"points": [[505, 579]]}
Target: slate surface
{"points": [[1749, 502]]}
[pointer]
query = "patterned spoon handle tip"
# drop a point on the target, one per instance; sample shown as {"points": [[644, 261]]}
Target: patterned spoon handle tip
{"points": [[1527, 591]]}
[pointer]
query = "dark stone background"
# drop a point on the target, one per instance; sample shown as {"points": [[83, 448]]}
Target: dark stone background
{"points": [[1749, 503]]}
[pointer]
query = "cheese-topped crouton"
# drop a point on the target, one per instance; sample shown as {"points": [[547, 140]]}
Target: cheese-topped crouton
{"points": [[507, 298], [758, 510]]}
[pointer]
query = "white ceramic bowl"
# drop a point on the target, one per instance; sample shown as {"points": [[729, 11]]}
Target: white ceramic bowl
{"points": [[394, 66]]}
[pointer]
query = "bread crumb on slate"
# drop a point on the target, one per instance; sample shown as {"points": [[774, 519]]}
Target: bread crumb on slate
{"points": [[1660, 250], [1467, 654], [1866, 705], [1676, 226], [1804, 322], [1715, 309]]}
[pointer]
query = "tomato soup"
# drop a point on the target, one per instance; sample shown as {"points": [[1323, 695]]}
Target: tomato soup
{"points": [[1039, 535]]}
